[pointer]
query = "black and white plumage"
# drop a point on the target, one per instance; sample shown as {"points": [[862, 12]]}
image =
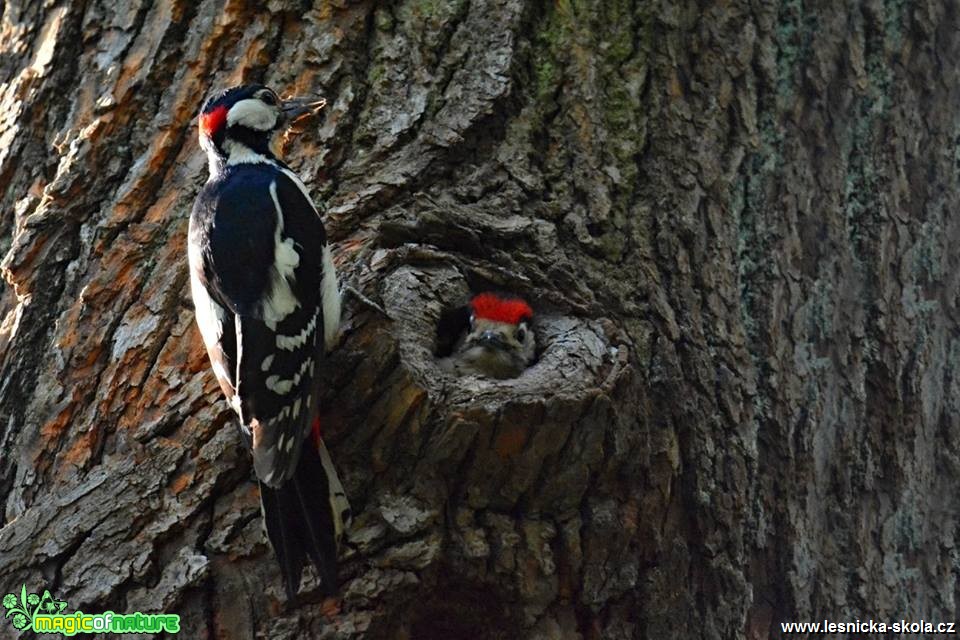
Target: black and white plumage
{"points": [[267, 303]]}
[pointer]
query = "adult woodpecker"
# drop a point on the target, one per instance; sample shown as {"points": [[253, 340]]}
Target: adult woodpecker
{"points": [[498, 342], [267, 303]]}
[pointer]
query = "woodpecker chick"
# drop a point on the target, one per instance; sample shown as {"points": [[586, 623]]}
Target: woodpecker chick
{"points": [[267, 303], [499, 342]]}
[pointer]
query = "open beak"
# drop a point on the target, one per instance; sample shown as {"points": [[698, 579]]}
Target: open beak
{"points": [[296, 108]]}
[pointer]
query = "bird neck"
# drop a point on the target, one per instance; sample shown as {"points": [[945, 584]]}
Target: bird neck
{"points": [[239, 150]]}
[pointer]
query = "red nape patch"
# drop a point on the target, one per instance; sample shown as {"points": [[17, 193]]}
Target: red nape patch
{"points": [[492, 307], [213, 121], [317, 434]]}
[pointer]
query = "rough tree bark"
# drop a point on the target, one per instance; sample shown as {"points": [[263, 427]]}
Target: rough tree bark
{"points": [[736, 220]]}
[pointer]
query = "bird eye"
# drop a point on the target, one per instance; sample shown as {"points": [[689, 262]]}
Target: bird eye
{"points": [[521, 334], [268, 98]]}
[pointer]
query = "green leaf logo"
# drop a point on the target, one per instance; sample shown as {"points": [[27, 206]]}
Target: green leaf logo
{"points": [[49, 606], [21, 609]]}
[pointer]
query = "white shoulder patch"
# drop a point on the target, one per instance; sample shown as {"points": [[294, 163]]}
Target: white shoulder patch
{"points": [[280, 301], [330, 285]]}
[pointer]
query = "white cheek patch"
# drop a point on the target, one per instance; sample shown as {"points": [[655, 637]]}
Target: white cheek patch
{"points": [[252, 113]]}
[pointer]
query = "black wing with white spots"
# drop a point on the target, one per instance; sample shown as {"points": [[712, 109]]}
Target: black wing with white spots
{"points": [[250, 230]]}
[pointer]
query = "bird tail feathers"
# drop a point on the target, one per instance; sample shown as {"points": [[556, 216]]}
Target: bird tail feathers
{"points": [[305, 519]]}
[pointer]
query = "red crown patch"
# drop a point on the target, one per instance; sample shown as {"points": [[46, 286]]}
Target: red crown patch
{"points": [[492, 307]]}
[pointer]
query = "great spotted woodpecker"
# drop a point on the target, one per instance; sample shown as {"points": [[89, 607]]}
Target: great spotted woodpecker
{"points": [[267, 304], [498, 343]]}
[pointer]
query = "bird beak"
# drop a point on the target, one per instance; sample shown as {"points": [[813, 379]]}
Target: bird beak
{"points": [[493, 340], [295, 108]]}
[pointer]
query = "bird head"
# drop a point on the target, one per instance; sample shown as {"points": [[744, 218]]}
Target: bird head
{"points": [[500, 343], [246, 118]]}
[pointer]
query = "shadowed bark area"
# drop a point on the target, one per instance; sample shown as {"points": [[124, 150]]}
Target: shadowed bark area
{"points": [[736, 223]]}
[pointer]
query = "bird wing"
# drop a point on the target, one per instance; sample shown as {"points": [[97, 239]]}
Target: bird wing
{"points": [[264, 265]]}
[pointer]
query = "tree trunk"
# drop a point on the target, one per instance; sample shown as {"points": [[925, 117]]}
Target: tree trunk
{"points": [[736, 223]]}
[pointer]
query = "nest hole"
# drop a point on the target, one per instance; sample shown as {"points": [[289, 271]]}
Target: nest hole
{"points": [[496, 340], [453, 323], [429, 305]]}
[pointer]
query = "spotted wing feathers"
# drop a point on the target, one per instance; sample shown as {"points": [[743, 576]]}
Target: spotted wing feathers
{"points": [[276, 391], [257, 262]]}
